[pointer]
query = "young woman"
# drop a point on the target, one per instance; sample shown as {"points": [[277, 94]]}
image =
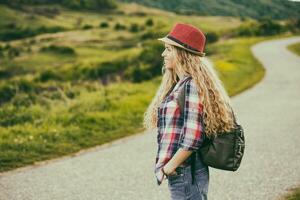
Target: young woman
{"points": [[207, 110]]}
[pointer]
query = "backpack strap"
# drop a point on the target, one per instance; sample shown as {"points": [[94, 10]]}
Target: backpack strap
{"points": [[181, 97]]}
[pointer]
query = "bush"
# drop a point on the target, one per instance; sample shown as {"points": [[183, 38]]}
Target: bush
{"points": [[70, 94], [103, 25], [11, 70], [149, 22], [10, 116], [7, 92], [269, 27], [138, 75], [24, 100], [49, 75], [119, 26], [7, 46], [134, 27], [90, 4], [150, 35], [293, 25], [107, 68], [264, 28], [13, 32], [211, 37], [10, 25], [13, 52], [58, 49], [87, 26], [53, 95], [245, 31], [26, 86]]}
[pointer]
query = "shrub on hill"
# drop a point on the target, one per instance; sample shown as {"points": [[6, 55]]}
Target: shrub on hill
{"points": [[90, 4], [103, 25], [119, 26], [211, 37], [134, 27], [87, 26], [58, 49], [49, 75], [7, 92], [264, 27], [12, 31], [149, 22]]}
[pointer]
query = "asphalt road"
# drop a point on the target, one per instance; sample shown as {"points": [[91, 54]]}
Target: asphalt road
{"points": [[269, 113]]}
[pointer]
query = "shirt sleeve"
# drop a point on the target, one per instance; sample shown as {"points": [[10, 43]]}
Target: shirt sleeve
{"points": [[192, 130]]}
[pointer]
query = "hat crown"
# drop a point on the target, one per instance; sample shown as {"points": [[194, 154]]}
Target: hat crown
{"points": [[189, 36]]}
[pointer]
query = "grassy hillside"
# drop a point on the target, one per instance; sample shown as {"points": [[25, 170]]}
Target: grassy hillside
{"points": [[295, 48], [92, 46], [276, 9], [293, 193], [90, 82]]}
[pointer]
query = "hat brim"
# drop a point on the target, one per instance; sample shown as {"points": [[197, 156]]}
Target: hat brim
{"points": [[171, 42]]}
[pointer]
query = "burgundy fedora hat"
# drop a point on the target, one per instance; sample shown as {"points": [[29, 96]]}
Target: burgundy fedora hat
{"points": [[188, 37]]}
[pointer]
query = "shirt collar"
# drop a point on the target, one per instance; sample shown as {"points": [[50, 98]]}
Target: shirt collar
{"points": [[181, 81], [183, 78]]}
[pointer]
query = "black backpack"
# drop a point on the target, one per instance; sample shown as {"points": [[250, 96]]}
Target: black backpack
{"points": [[225, 151]]}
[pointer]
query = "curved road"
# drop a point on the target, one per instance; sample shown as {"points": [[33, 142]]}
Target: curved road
{"points": [[269, 113]]}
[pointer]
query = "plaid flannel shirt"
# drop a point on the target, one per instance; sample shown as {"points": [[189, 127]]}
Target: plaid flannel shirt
{"points": [[176, 131]]}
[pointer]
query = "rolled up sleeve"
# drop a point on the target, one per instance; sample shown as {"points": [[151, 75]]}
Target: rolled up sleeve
{"points": [[192, 130]]}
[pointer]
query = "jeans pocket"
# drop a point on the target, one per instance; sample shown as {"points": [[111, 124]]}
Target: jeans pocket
{"points": [[177, 186], [176, 178]]}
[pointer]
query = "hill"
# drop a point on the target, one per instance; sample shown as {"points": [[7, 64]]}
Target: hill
{"points": [[275, 9], [73, 4]]}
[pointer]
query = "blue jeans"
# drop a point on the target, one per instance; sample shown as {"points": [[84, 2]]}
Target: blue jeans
{"points": [[180, 184]]}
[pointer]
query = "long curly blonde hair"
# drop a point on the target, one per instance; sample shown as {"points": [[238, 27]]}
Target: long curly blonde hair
{"points": [[217, 113]]}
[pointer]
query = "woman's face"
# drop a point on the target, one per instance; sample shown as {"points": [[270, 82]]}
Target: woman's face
{"points": [[168, 56]]}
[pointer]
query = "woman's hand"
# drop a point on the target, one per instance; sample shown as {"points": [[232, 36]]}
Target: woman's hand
{"points": [[169, 170]]}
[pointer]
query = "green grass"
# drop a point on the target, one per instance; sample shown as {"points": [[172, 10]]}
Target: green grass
{"points": [[295, 48], [237, 67], [49, 119], [93, 118], [292, 194]]}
